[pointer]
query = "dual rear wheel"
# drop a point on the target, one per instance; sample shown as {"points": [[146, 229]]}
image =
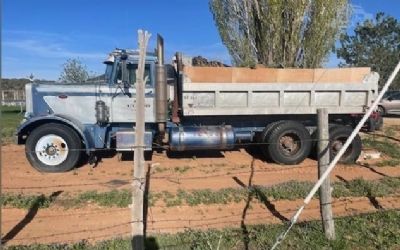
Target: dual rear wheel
{"points": [[289, 143]]}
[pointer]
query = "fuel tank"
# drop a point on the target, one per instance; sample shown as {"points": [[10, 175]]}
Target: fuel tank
{"points": [[203, 137]]}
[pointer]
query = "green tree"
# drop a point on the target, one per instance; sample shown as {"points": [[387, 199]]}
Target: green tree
{"points": [[74, 71], [288, 33], [376, 44]]}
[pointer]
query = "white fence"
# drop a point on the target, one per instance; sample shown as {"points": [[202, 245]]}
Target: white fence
{"points": [[13, 97]]}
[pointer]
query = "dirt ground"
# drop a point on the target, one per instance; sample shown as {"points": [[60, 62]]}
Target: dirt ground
{"points": [[198, 170], [169, 174]]}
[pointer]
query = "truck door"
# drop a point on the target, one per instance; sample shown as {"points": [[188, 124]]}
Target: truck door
{"points": [[123, 95]]}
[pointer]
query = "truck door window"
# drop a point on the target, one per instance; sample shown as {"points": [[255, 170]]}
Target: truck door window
{"points": [[132, 74]]}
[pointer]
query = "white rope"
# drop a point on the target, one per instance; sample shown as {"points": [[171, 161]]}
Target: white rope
{"points": [[335, 160]]}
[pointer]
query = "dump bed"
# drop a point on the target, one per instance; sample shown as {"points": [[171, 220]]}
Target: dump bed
{"points": [[262, 91]]}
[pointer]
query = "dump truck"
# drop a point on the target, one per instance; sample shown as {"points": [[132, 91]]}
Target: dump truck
{"points": [[194, 108]]}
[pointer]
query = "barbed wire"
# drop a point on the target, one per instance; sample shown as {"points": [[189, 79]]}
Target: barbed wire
{"points": [[206, 223], [156, 146], [170, 177], [166, 147], [177, 178], [337, 202], [192, 222]]}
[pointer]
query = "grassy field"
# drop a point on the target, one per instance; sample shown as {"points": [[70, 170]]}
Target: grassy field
{"points": [[378, 230], [11, 117]]}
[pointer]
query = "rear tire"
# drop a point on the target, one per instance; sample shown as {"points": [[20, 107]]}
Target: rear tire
{"points": [[53, 148], [337, 137], [288, 142], [264, 136]]}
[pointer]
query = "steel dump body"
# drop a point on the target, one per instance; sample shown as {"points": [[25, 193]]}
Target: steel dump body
{"points": [[242, 91]]}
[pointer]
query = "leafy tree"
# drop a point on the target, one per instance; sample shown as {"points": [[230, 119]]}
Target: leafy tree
{"points": [[376, 44], [74, 72], [288, 33]]}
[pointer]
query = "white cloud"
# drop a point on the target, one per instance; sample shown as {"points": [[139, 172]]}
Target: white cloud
{"points": [[43, 53], [49, 50], [359, 14]]}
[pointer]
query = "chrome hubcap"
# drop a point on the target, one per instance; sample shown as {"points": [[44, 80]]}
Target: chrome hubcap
{"points": [[51, 150]]}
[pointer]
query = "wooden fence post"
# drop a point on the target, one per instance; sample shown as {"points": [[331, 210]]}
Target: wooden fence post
{"points": [[325, 191], [139, 180]]}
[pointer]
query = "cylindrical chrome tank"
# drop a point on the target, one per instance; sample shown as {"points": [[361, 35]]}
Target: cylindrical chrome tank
{"points": [[196, 138], [102, 112]]}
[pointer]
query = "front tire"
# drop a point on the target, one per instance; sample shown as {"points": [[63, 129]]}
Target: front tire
{"points": [[53, 148]]}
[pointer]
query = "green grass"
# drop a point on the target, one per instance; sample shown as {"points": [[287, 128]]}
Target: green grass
{"points": [[378, 230], [11, 117], [114, 198], [385, 147], [285, 191], [389, 162], [26, 201]]}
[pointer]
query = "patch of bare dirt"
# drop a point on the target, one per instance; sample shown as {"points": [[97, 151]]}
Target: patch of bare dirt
{"points": [[170, 174]]}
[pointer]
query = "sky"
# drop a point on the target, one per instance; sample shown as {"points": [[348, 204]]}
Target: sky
{"points": [[38, 36]]}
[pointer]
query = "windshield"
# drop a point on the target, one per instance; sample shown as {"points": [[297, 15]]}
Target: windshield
{"points": [[132, 74]]}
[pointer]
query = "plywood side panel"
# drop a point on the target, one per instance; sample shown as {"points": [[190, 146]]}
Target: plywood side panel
{"points": [[350, 75], [268, 75], [209, 74], [260, 75], [295, 75]]}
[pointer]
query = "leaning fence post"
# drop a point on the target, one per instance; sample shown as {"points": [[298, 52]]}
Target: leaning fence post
{"points": [[325, 191]]}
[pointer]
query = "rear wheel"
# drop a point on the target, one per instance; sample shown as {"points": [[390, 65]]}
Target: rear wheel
{"points": [[264, 136], [53, 148], [287, 142], [337, 138]]}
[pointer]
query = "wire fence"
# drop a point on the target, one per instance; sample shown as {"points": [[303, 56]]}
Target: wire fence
{"points": [[193, 224], [160, 225], [166, 147]]}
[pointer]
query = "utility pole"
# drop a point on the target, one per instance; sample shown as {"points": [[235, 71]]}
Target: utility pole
{"points": [[325, 191], [139, 180]]}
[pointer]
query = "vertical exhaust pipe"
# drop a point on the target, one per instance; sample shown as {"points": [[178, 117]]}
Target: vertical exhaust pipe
{"points": [[160, 49], [161, 89]]}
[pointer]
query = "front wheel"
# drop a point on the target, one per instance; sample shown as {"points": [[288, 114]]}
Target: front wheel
{"points": [[53, 148]]}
